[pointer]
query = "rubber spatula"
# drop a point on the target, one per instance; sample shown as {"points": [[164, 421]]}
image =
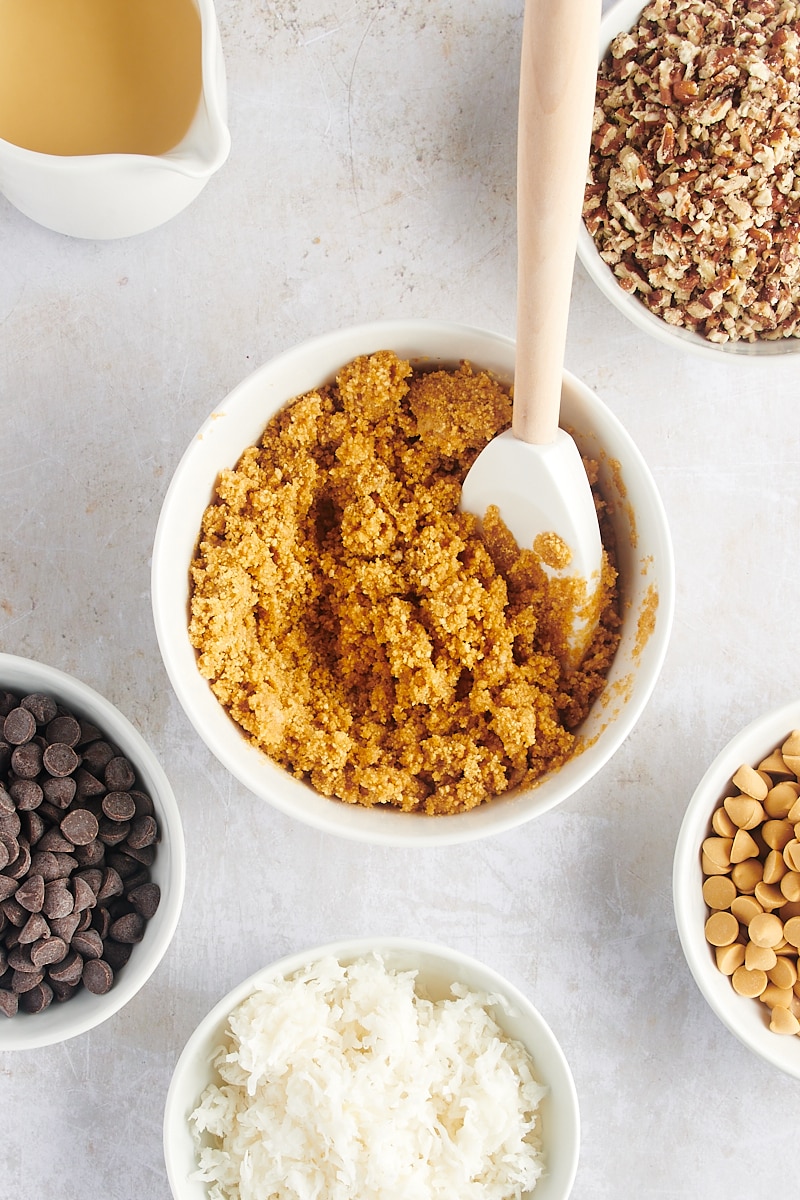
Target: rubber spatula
{"points": [[533, 472]]}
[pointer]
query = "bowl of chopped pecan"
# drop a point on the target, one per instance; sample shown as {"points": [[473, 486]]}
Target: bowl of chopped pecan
{"points": [[691, 220]]}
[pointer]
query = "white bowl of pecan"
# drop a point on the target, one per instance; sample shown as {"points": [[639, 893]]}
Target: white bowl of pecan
{"points": [[692, 208], [92, 863]]}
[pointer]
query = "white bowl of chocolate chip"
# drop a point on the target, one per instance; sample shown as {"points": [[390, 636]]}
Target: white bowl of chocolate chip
{"points": [[92, 862]]}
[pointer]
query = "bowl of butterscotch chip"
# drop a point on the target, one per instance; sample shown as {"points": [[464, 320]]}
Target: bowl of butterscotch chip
{"points": [[354, 647], [91, 857], [736, 886]]}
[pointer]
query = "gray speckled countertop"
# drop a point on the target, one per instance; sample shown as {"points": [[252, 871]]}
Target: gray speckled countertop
{"points": [[371, 176]]}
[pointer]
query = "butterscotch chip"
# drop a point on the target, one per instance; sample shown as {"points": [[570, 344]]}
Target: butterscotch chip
{"points": [[728, 958], [783, 974], [744, 908], [774, 765], [748, 983], [774, 867], [780, 799], [722, 824], [765, 929], [783, 1021], [759, 958], [769, 896], [747, 875], [751, 782], [777, 833], [772, 996], [790, 885], [743, 847], [722, 929], [718, 850], [719, 892], [744, 811], [791, 931]]}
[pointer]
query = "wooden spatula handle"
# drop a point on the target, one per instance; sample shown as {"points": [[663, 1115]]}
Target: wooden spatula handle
{"points": [[558, 76]]}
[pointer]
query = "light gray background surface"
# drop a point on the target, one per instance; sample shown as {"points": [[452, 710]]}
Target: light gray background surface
{"points": [[372, 176]]}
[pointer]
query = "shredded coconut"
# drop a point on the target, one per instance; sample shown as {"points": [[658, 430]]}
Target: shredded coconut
{"points": [[348, 1083]]}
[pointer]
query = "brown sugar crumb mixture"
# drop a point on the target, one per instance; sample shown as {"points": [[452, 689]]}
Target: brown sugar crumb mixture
{"points": [[363, 632]]}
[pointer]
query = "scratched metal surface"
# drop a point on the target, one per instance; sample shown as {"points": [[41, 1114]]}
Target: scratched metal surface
{"points": [[372, 175]]}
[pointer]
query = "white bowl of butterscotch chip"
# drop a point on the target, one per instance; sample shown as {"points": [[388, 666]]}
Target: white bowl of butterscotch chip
{"points": [[351, 646], [690, 211], [736, 886]]}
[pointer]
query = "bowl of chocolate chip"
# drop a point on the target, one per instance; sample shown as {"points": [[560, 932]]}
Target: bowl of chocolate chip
{"points": [[92, 854], [354, 647], [691, 222]]}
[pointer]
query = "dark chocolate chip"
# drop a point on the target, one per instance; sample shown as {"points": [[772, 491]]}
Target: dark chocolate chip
{"points": [[60, 760], [119, 775], [53, 839], [27, 794], [87, 784], [30, 893], [21, 864], [37, 999], [9, 1002], [35, 927], [111, 885], [6, 802], [80, 826], [90, 855], [18, 727], [144, 832], [7, 888], [33, 826], [89, 944], [64, 728], [128, 928], [64, 927], [145, 899], [97, 756], [97, 976], [83, 893], [58, 900], [68, 971], [26, 760], [119, 806], [49, 950], [112, 833], [42, 708]]}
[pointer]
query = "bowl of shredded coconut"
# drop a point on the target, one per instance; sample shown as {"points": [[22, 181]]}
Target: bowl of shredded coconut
{"points": [[357, 650], [369, 1069], [690, 222]]}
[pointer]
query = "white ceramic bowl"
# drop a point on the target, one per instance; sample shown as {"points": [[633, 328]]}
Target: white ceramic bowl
{"points": [[743, 1017], [438, 967], [621, 17], [646, 568], [85, 1010]]}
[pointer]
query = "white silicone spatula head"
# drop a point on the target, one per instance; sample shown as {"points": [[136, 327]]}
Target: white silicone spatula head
{"points": [[534, 473]]}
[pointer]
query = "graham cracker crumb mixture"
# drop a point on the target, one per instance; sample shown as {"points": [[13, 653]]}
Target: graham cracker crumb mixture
{"points": [[363, 632]]}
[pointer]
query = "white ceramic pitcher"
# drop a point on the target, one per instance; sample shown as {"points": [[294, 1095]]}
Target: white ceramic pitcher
{"points": [[118, 195]]}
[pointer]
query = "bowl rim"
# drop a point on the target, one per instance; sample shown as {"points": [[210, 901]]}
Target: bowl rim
{"points": [[618, 18], [433, 341], [85, 1011], [562, 1093], [742, 1018]]}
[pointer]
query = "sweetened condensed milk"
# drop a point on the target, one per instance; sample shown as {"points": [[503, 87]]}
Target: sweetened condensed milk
{"points": [[98, 76]]}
